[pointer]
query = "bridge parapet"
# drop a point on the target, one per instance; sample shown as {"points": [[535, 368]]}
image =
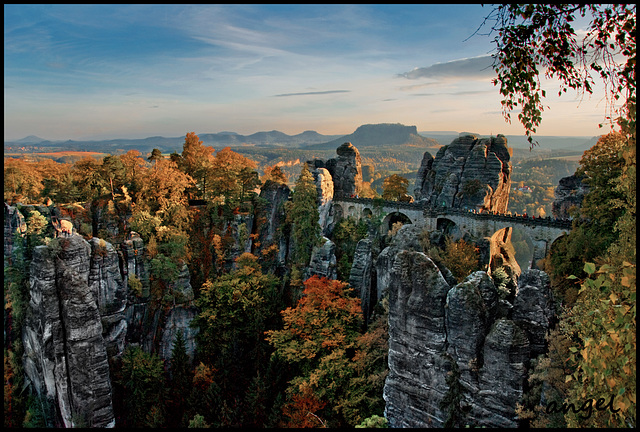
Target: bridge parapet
{"points": [[430, 212]]}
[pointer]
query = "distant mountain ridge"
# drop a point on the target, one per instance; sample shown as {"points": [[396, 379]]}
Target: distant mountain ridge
{"points": [[217, 140], [366, 136], [381, 135]]}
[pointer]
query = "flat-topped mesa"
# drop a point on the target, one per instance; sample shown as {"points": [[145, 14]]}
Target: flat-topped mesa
{"points": [[471, 173]]}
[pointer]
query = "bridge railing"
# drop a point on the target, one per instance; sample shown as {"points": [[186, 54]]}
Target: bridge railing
{"points": [[445, 211]]}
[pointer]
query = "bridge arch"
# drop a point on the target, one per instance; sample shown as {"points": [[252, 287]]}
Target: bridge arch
{"points": [[449, 228], [366, 212], [392, 218]]}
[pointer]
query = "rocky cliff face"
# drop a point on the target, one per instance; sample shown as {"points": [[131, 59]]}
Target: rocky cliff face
{"points": [[271, 220], [346, 171], [324, 186], [361, 275], [13, 222], [64, 338], [323, 261], [568, 195], [155, 330], [470, 173], [436, 328]]}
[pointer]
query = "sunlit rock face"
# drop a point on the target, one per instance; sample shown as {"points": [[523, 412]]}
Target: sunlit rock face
{"points": [[65, 347], [470, 173], [324, 186], [346, 171]]}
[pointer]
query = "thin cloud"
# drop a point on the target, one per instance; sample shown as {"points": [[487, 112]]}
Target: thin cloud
{"points": [[312, 93], [475, 67], [458, 93]]}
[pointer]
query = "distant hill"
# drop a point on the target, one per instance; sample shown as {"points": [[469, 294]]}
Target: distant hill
{"points": [[31, 139], [168, 145], [381, 136]]}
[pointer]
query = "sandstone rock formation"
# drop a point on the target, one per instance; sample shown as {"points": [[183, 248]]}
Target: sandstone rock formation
{"points": [[470, 173], [13, 222], [568, 194], [360, 277], [502, 254], [407, 238], [323, 261], [346, 171], [416, 383], [435, 328], [324, 185], [110, 293], [533, 308], [65, 347], [271, 220]]}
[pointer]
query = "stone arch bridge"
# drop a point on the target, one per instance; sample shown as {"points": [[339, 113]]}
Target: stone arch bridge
{"points": [[542, 231]]}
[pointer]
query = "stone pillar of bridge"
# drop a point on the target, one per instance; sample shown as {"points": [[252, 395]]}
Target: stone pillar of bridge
{"points": [[539, 252]]}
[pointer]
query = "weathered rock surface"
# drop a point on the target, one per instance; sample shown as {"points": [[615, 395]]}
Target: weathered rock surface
{"points": [[360, 275], [156, 330], [272, 218], [65, 351], [469, 173], [533, 308], [110, 292], [407, 238], [13, 222], [432, 325], [425, 178], [501, 377], [416, 384], [323, 261], [324, 185], [568, 195], [502, 254], [346, 171]]}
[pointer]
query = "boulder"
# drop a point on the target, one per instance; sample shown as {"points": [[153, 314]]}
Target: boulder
{"points": [[407, 238]]}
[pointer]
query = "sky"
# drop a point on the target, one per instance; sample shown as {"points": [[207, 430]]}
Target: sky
{"points": [[135, 71]]}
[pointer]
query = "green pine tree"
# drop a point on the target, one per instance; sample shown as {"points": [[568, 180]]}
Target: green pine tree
{"points": [[181, 377], [302, 214]]}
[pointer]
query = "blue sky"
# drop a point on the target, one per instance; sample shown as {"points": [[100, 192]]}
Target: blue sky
{"points": [[133, 71]]}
